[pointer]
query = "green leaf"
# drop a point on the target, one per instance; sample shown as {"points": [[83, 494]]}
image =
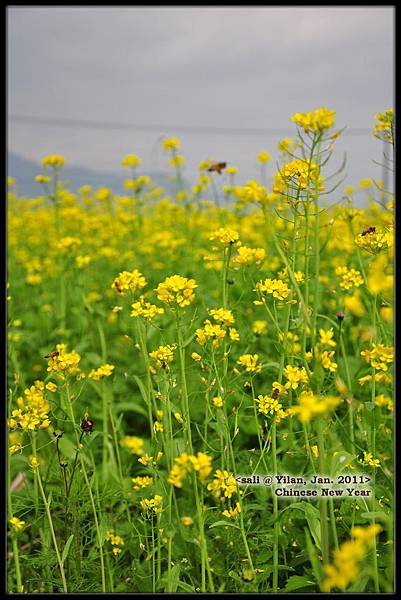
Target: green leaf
{"points": [[223, 523], [141, 389], [296, 582], [66, 548], [317, 568], [186, 587]]}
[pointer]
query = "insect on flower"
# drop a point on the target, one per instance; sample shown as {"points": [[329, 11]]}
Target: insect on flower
{"points": [[368, 230], [218, 167], [52, 354], [275, 393]]}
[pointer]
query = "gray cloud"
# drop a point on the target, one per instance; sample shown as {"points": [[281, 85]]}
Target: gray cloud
{"points": [[222, 66]]}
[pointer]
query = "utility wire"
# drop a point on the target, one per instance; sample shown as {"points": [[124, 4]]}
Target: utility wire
{"points": [[105, 125]]}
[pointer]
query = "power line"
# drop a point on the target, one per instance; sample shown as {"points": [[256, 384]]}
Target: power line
{"points": [[105, 125]]}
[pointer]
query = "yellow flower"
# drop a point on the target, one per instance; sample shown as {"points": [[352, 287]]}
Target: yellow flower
{"points": [[127, 281], [225, 236], [51, 386], [369, 460], [145, 309], [163, 356], [153, 504], [345, 568], [259, 327], [218, 401], [349, 277], [319, 120], [103, 371], [264, 157], [141, 482], [310, 406], [131, 160], [171, 144], [232, 513], [250, 362], [248, 256], [326, 337], [186, 521], [276, 287], [223, 485], [295, 376], [176, 291], [55, 161], [135, 444], [17, 524]]}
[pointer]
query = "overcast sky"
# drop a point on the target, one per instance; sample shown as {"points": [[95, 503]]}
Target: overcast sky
{"points": [[234, 67]]}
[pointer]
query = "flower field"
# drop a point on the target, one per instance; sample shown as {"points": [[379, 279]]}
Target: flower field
{"points": [[187, 367]]}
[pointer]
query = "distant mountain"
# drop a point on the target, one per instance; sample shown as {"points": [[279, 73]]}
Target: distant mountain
{"points": [[24, 172]]}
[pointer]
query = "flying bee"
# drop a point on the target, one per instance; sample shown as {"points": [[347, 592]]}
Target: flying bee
{"points": [[218, 167], [368, 230], [52, 354], [275, 394]]}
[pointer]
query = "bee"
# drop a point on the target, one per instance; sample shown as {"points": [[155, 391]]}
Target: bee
{"points": [[52, 354], [117, 287], [275, 393], [218, 167], [368, 230]]}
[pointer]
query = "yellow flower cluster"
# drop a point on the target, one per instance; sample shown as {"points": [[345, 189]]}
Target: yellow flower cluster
{"points": [[349, 278], [383, 400], [222, 315], [68, 244], [384, 129], [163, 356], [375, 241], [32, 410], [276, 287], [345, 567], [153, 505], [103, 371], [145, 309], [248, 256], [250, 363], [325, 358], [232, 512], [379, 356], [369, 461], [259, 327], [62, 361], [131, 160], [176, 291], [319, 120], [295, 376], [141, 482], [128, 281], [187, 463], [310, 406], [253, 192], [115, 541], [135, 444], [171, 144], [215, 332], [301, 174], [56, 161], [223, 485], [225, 236], [271, 406]]}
